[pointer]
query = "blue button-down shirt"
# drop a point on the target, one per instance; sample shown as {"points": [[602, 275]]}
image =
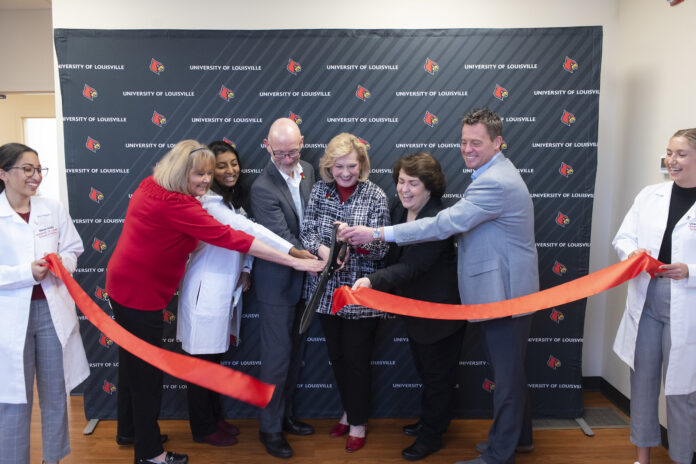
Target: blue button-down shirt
{"points": [[475, 175]]}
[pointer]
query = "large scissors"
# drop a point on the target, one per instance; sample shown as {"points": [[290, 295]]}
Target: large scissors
{"points": [[337, 253]]}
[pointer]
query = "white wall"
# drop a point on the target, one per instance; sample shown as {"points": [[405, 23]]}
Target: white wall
{"points": [[26, 51], [646, 71], [656, 72]]}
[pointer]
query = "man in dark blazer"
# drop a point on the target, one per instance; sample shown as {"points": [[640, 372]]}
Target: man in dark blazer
{"points": [[497, 260], [278, 198]]}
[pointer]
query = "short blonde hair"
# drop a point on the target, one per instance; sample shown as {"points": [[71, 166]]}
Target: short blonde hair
{"points": [[172, 171], [341, 145]]}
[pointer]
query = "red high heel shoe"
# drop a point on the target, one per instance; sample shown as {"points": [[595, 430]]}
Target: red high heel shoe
{"points": [[353, 444], [338, 430]]}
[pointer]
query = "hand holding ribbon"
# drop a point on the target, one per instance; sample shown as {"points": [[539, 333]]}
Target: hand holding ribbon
{"points": [[204, 373], [577, 289]]}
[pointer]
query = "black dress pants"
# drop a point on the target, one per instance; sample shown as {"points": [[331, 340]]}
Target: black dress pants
{"points": [[204, 406], [437, 365], [139, 383], [350, 343]]}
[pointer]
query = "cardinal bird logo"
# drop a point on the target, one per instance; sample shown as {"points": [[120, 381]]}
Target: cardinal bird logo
{"points": [[229, 142], [562, 219], [556, 316], [95, 195], [90, 93], [101, 294], [105, 341], [567, 118], [500, 93], [430, 66], [109, 387], [362, 93], [364, 142], [98, 245], [296, 118], [503, 145], [168, 316], [293, 67], [566, 169], [559, 269], [488, 385], [430, 119], [92, 145], [553, 362], [156, 67], [225, 93], [570, 65], [158, 119]]}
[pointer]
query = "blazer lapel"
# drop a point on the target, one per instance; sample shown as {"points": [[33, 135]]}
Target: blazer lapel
{"points": [[431, 208], [305, 187], [283, 186]]}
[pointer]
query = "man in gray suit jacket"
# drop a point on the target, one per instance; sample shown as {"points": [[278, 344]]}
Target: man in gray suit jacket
{"points": [[278, 198], [497, 260]]}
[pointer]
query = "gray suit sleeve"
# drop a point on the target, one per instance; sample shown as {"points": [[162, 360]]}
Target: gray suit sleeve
{"points": [[266, 209], [482, 202]]}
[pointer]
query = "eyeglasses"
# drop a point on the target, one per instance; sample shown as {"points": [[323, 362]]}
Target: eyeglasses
{"points": [[281, 155], [30, 170]]}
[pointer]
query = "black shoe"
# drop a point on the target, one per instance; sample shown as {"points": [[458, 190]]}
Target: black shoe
{"points": [[412, 429], [124, 440], [418, 450], [295, 427], [276, 444], [170, 458]]}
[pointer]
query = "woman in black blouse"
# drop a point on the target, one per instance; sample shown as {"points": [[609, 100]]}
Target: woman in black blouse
{"points": [[427, 272]]}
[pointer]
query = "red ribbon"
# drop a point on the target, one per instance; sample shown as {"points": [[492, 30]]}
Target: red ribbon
{"points": [[204, 373], [577, 289]]}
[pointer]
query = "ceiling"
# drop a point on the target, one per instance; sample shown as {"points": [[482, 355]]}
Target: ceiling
{"points": [[25, 4]]}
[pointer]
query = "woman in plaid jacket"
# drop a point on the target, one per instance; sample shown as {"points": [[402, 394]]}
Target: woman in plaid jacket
{"points": [[346, 195]]}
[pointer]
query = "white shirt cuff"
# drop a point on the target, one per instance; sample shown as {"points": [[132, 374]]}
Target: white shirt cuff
{"points": [[389, 234]]}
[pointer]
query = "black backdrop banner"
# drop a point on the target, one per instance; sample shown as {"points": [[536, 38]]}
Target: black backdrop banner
{"points": [[129, 95]]}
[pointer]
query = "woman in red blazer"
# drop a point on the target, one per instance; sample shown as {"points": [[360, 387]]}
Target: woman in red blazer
{"points": [[164, 223]]}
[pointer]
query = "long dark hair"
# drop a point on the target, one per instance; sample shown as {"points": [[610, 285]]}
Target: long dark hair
{"points": [[236, 196], [9, 154]]}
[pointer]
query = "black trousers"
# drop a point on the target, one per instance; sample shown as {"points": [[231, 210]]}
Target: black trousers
{"points": [[139, 383], [437, 365], [350, 343], [204, 407]]}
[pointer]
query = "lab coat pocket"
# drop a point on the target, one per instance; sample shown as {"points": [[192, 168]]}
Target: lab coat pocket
{"points": [[215, 294]]}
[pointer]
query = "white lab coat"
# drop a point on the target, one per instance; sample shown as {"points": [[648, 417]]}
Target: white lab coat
{"points": [[643, 227], [50, 230], [210, 301]]}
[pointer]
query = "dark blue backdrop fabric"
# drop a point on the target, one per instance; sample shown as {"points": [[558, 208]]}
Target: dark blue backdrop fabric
{"points": [[130, 95]]}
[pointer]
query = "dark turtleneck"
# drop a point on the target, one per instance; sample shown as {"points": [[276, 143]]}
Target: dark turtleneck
{"points": [[679, 203]]}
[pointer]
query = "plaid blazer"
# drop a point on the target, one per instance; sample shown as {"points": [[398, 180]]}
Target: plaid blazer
{"points": [[366, 206]]}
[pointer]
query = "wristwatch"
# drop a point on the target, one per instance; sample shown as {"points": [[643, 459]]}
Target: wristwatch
{"points": [[375, 234]]}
